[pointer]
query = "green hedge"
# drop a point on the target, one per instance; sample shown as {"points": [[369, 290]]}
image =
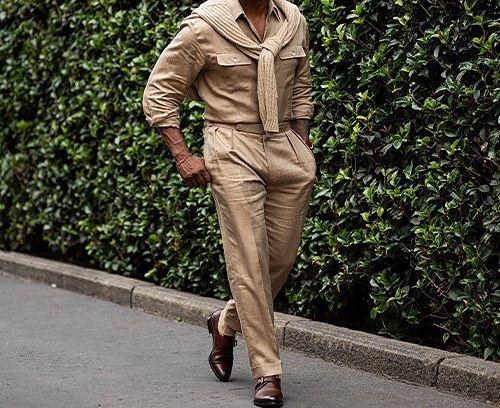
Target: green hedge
{"points": [[403, 232]]}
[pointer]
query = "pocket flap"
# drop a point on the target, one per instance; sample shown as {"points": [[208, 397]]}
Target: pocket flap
{"points": [[292, 51], [233, 58]]}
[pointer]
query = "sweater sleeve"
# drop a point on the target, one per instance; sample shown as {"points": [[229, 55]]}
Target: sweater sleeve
{"points": [[172, 77]]}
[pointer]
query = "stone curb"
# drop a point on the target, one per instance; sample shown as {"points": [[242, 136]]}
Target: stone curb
{"points": [[460, 374]]}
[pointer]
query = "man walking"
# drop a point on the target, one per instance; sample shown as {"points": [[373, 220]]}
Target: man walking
{"points": [[248, 61]]}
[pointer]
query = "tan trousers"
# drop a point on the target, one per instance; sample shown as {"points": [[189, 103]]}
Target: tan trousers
{"points": [[261, 185]]}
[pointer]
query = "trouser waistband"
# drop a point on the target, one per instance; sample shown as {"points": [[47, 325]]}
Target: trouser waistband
{"points": [[249, 127]]}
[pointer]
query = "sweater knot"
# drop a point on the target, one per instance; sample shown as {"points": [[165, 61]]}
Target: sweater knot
{"points": [[273, 45]]}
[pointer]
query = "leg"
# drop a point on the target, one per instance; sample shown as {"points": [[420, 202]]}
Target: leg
{"points": [[293, 170], [237, 165], [293, 175]]}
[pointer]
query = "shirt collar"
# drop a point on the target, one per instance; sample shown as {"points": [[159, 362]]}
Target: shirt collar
{"points": [[237, 10]]}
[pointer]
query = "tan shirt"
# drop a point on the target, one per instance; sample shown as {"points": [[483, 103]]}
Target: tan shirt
{"points": [[224, 77]]}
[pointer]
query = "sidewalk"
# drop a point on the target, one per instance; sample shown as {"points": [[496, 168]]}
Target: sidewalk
{"points": [[63, 349]]}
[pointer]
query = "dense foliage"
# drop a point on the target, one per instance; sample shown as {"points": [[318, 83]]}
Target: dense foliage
{"points": [[403, 232]]}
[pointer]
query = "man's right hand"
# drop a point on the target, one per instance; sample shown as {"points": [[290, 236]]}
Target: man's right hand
{"points": [[193, 170]]}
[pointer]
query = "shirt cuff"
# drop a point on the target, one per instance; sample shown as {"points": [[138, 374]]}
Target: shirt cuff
{"points": [[303, 112], [163, 120]]}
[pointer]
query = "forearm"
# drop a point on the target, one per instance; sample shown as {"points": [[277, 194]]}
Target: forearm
{"points": [[172, 137]]}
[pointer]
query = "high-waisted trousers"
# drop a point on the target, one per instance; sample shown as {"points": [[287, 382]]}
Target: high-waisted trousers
{"points": [[261, 185]]}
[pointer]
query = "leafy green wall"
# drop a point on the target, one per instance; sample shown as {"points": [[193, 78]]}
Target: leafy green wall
{"points": [[403, 232]]}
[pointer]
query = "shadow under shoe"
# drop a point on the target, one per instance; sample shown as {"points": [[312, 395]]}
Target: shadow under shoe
{"points": [[221, 356], [268, 392]]}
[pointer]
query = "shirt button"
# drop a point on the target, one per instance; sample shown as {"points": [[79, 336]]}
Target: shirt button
{"points": [[235, 59], [293, 53]]}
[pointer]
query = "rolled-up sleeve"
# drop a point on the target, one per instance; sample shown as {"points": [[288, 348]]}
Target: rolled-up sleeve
{"points": [[302, 104], [172, 77]]}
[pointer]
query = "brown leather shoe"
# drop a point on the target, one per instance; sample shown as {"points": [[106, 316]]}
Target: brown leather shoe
{"points": [[221, 356], [268, 392]]}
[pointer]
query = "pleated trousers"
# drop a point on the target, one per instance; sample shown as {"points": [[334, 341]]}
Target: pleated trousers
{"points": [[261, 185]]}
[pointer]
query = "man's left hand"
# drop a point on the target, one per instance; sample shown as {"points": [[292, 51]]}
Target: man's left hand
{"points": [[301, 126]]}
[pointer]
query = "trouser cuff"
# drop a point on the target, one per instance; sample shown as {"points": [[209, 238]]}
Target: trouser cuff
{"points": [[223, 328], [232, 324], [265, 370]]}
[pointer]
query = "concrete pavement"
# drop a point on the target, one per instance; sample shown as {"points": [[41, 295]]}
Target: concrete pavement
{"points": [[62, 349]]}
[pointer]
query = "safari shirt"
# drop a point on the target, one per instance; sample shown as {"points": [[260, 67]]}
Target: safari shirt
{"points": [[224, 77]]}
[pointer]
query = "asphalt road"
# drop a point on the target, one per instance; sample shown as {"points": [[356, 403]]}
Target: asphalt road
{"points": [[62, 349]]}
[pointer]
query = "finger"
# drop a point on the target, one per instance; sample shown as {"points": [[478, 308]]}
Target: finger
{"points": [[194, 181], [206, 176], [200, 179]]}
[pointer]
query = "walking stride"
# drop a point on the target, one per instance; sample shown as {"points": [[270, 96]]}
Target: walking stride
{"points": [[248, 61]]}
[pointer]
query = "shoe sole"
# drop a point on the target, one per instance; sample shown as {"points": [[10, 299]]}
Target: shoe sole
{"points": [[268, 404], [209, 326]]}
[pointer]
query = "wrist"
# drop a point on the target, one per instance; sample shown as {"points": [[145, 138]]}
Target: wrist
{"points": [[179, 151], [180, 157], [301, 126]]}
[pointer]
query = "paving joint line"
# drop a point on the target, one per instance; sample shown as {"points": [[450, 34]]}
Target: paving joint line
{"points": [[284, 330], [131, 294], [436, 374]]}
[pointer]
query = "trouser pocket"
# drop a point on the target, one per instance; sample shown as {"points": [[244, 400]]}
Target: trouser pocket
{"points": [[303, 142]]}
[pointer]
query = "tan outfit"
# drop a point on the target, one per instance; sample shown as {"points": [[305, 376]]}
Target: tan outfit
{"points": [[261, 180]]}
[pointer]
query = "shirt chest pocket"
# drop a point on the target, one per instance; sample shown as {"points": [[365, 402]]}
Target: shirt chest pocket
{"points": [[288, 59], [233, 59], [292, 52], [233, 71]]}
